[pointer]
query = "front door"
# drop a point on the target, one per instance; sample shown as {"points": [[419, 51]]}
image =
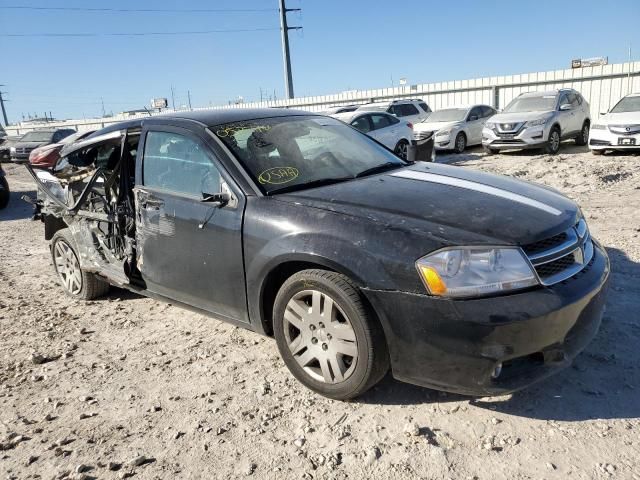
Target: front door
{"points": [[475, 123], [188, 250]]}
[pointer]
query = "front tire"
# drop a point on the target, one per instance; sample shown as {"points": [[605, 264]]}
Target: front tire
{"points": [[327, 336], [553, 144], [460, 143], [491, 151], [76, 282], [583, 138], [402, 149], [5, 194]]}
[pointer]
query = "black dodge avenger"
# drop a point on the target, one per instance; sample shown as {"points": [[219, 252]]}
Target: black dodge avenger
{"points": [[298, 226]]}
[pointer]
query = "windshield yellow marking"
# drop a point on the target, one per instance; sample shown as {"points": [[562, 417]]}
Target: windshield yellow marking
{"points": [[278, 175]]}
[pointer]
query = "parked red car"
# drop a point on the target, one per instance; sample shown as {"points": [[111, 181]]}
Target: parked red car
{"points": [[47, 155]]}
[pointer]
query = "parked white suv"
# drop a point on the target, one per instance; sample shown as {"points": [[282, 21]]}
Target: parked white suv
{"points": [[539, 120], [393, 133], [455, 128], [619, 129], [409, 110]]}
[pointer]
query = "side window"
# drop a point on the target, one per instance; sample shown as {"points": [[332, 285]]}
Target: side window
{"points": [[573, 100], [475, 112], [362, 123], [564, 98], [176, 163], [380, 121], [57, 136], [406, 109], [424, 107], [392, 120]]}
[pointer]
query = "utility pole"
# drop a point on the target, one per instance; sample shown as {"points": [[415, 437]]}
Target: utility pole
{"points": [[103, 112], [189, 97], [288, 79], [173, 98], [4, 112]]}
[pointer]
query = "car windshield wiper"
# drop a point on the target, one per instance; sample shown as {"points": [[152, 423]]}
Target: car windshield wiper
{"points": [[380, 168], [314, 183]]}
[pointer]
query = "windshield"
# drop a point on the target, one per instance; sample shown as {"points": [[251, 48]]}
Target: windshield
{"points": [[37, 137], [448, 115], [293, 153], [627, 104], [543, 103]]}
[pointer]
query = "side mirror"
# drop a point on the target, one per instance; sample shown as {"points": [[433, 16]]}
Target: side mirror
{"points": [[603, 113], [565, 107], [473, 118], [220, 198]]}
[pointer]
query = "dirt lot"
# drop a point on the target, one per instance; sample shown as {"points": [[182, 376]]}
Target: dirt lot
{"points": [[127, 386]]}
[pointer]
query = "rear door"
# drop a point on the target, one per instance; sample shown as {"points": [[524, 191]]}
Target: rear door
{"points": [[383, 130], [188, 250]]}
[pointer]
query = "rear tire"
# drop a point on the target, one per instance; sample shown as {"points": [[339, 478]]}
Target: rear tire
{"points": [[583, 138], [553, 144], [5, 194], [402, 149], [460, 143], [327, 336], [75, 282]]}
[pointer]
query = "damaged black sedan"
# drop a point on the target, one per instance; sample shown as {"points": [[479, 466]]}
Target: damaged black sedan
{"points": [[298, 226]]}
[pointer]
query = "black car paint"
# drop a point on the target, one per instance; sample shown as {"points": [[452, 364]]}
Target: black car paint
{"points": [[373, 230]]}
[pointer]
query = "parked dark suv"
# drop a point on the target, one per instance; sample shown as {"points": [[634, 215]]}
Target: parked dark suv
{"points": [[38, 138], [299, 226]]}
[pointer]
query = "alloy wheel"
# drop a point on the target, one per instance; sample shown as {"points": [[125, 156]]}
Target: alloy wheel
{"points": [[320, 337], [68, 267], [585, 134], [461, 143], [401, 150], [554, 140]]}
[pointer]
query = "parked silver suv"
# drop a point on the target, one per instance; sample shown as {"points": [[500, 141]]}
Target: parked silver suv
{"points": [[539, 120]]}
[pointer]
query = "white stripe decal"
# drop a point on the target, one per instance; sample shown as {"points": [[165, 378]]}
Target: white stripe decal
{"points": [[478, 187]]}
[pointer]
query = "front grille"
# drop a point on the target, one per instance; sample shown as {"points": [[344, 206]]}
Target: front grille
{"points": [[560, 257], [624, 129], [556, 266], [23, 150], [545, 244]]}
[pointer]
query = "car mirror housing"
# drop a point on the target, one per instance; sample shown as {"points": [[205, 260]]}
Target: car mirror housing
{"points": [[220, 198], [565, 107]]}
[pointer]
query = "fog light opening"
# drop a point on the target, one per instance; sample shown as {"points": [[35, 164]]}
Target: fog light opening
{"points": [[497, 370]]}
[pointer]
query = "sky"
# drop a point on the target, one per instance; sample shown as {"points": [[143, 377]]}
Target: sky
{"points": [[344, 45]]}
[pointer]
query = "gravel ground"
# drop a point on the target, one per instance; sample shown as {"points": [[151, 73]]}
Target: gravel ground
{"points": [[128, 386]]}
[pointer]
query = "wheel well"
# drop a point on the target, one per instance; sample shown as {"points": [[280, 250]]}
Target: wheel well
{"points": [[272, 284], [51, 225]]}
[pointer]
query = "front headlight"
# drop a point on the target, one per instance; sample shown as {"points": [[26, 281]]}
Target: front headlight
{"points": [[490, 125], [537, 123], [597, 126], [475, 271], [443, 133], [12, 149]]}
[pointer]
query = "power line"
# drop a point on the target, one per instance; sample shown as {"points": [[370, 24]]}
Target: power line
{"points": [[140, 10], [137, 34]]}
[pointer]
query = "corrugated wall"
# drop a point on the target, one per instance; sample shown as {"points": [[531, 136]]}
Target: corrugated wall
{"points": [[602, 86]]}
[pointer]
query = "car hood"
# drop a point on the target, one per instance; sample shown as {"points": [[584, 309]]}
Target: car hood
{"points": [[30, 144], [518, 117], [621, 118], [433, 126], [454, 204]]}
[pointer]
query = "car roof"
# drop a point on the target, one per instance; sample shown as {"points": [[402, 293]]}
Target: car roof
{"points": [[207, 118], [218, 117], [547, 92]]}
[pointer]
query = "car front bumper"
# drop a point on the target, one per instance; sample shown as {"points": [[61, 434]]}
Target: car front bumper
{"points": [[528, 137], [457, 345], [603, 139]]}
